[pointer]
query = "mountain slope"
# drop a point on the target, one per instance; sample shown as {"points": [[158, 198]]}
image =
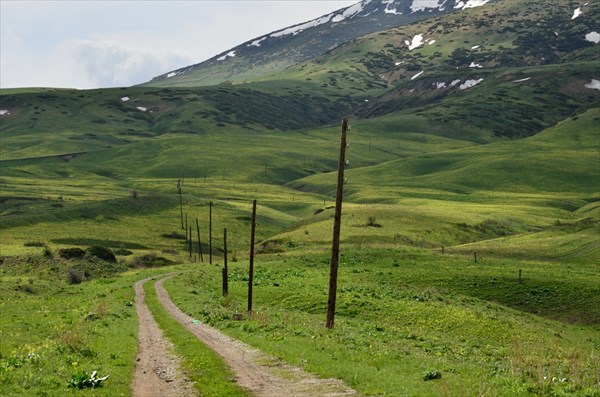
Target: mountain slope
{"points": [[511, 68], [275, 51]]}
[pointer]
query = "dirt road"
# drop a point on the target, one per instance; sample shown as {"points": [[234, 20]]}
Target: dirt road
{"points": [[157, 372]]}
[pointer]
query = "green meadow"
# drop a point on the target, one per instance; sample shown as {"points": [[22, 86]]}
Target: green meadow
{"points": [[416, 314], [470, 242]]}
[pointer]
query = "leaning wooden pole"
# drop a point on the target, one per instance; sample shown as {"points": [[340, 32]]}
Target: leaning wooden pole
{"points": [[251, 271], [210, 233], [337, 220]]}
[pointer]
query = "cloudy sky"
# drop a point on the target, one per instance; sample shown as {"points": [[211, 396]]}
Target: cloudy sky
{"points": [[98, 43]]}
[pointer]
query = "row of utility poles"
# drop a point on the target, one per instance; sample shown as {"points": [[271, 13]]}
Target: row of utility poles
{"points": [[335, 248]]}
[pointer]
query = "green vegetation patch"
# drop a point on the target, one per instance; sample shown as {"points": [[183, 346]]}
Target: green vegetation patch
{"points": [[413, 322]]}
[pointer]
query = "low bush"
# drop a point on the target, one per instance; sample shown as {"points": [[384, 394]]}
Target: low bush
{"points": [[101, 253], [71, 253], [74, 276]]}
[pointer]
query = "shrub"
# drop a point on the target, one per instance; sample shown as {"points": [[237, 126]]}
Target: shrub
{"points": [[102, 253], [47, 251], [122, 252], [74, 276], [71, 253], [33, 244], [372, 222], [150, 260], [431, 375]]}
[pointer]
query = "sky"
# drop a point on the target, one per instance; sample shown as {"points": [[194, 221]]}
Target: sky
{"points": [[100, 43]]}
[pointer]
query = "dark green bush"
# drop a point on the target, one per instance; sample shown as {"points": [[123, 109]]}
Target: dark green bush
{"points": [[101, 253]]}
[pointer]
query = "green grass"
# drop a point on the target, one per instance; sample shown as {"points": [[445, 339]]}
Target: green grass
{"points": [[406, 312], [208, 372], [51, 330]]}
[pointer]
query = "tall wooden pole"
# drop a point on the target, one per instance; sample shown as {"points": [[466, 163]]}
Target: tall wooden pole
{"points": [[199, 242], [191, 242], [210, 233], [225, 281], [251, 272], [337, 220], [180, 202]]}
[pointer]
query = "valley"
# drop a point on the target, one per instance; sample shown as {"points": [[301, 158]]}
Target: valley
{"points": [[470, 229]]}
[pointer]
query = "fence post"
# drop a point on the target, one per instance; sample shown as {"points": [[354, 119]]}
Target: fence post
{"points": [[337, 220], [520, 278]]}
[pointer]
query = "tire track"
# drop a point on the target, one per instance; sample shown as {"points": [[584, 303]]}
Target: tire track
{"points": [[157, 372], [255, 371]]}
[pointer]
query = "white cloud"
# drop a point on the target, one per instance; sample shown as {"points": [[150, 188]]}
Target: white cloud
{"points": [[87, 44], [110, 64]]}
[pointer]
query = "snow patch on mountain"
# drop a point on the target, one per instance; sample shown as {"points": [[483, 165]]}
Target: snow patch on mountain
{"points": [[424, 5], [454, 82], [475, 65], [521, 80], [594, 85], [416, 41], [256, 43], [294, 30], [417, 75], [230, 54], [593, 37], [440, 85], [125, 99], [463, 5], [143, 109], [4, 112], [576, 13], [351, 11], [469, 84]]}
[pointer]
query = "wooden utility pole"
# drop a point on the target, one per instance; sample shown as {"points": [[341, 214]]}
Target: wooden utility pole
{"points": [[180, 202], [225, 281], [191, 243], [251, 271], [337, 220], [199, 242], [210, 233]]}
